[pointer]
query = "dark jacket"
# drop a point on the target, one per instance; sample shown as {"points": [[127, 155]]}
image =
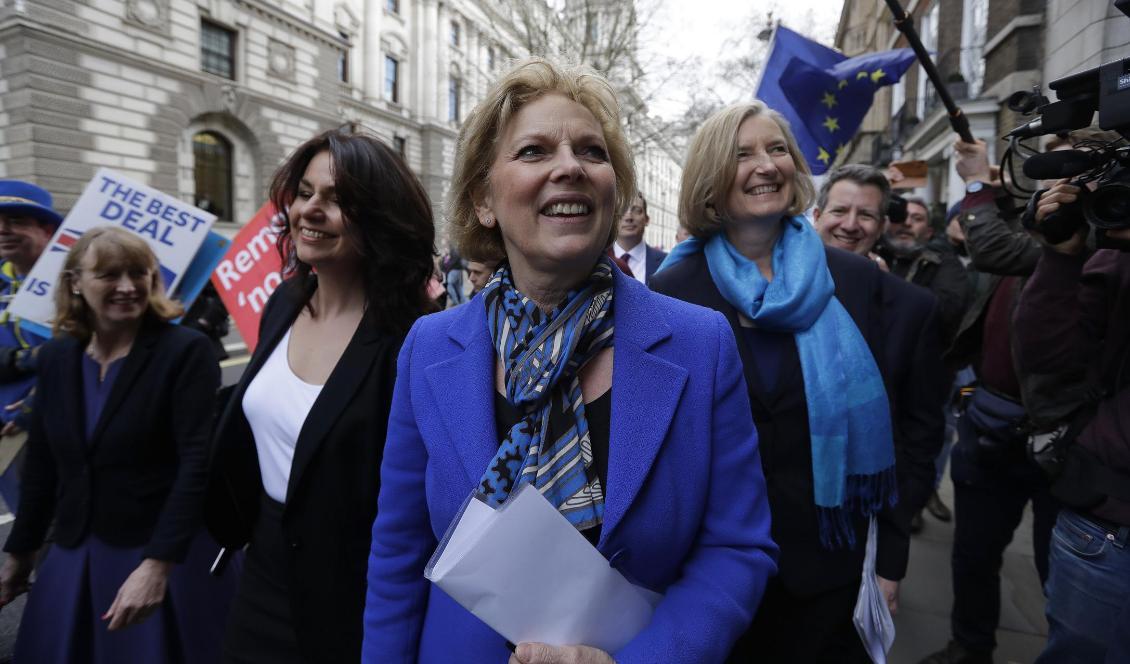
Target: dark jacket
{"points": [[998, 247], [654, 260], [937, 268], [140, 480], [898, 321], [1072, 334], [332, 492]]}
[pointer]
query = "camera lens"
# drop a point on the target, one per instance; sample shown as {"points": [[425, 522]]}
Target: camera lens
{"points": [[1108, 207]]}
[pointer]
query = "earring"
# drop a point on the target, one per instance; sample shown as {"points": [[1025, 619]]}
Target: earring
{"points": [[488, 221]]}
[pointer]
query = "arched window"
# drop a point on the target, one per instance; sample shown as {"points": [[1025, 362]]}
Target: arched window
{"points": [[212, 169]]}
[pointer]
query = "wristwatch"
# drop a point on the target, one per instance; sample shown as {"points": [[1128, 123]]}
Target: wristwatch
{"points": [[975, 186]]}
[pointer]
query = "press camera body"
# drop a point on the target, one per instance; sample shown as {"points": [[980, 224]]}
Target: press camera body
{"points": [[1104, 90]]}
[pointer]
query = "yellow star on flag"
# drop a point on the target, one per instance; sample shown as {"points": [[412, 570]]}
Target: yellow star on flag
{"points": [[840, 149], [876, 75], [829, 99], [860, 75], [843, 84], [831, 124], [823, 156]]}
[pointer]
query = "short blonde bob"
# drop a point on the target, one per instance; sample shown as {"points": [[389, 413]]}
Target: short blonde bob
{"points": [[113, 249], [712, 163], [527, 80]]}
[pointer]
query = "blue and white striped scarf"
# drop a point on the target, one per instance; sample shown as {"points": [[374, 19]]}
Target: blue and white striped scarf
{"points": [[541, 354]]}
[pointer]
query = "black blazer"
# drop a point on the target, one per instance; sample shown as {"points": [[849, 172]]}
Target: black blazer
{"points": [[332, 492], [652, 261], [140, 480], [898, 320]]}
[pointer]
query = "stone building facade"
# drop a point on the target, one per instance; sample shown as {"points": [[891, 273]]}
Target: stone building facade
{"points": [[985, 50], [203, 99]]}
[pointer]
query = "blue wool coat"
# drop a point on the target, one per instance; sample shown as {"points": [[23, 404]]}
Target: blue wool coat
{"points": [[685, 505]]}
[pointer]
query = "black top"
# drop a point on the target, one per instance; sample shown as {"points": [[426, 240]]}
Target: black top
{"points": [[599, 415], [768, 348]]}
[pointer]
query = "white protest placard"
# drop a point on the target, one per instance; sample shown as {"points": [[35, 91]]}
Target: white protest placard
{"points": [[174, 230]]}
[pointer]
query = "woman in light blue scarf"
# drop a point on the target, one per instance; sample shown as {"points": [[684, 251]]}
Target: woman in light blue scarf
{"points": [[817, 393]]}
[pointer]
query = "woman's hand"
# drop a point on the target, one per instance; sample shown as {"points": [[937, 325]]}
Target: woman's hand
{"points": [[140, 595], [14, 576], [541, 653]]}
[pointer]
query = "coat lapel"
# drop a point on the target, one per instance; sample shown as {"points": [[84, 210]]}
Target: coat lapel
{"points": [[346, 377], [73, 407], [645, 395], [135, 363], [463, 387]]}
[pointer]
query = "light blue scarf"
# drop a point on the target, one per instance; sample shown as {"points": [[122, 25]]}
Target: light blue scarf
{"points": [[853, 461]]}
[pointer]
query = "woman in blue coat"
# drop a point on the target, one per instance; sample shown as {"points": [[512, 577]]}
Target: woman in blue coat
{"points": [[637, 402]]}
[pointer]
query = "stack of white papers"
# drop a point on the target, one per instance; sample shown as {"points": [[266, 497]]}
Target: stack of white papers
{"points": [[527, 572]]}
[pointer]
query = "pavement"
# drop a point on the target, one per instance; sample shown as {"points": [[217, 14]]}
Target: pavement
{"points": [[922, 625]]}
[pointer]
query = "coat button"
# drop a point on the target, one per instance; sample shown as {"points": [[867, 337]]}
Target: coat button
{"points": [[620, 558], [296, 543]]}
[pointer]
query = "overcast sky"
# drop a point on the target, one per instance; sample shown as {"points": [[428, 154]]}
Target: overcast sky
{"points": [[699, 28]]}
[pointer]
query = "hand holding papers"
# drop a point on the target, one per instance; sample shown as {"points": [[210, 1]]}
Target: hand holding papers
{"points": [[872, 618], [527, 572]]}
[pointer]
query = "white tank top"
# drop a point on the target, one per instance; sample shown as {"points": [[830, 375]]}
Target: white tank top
{"points": [[276, 404]]}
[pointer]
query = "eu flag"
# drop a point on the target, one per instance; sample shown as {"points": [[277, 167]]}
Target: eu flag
{"points": [[824, 94]]}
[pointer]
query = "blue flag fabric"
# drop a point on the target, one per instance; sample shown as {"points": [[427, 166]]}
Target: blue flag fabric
{"points": [[824, 94]]}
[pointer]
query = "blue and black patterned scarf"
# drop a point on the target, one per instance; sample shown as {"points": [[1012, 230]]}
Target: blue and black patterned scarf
{"points": [[541, 354]]}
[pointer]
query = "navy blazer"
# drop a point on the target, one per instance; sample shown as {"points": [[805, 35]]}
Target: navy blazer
{"points": [[653, 260], [140, 480], [898, 321], [685, 508], [332, 491]]}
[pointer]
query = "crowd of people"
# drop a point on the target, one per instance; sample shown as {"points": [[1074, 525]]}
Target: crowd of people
{"points": [[728, 424]]}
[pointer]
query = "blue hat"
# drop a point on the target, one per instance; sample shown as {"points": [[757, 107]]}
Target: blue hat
{"points": [[19, 197]]}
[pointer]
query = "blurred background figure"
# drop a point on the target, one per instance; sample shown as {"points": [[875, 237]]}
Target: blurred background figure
{"points": [[642, 260], [27, 222], [478, 273], [117, 459]]}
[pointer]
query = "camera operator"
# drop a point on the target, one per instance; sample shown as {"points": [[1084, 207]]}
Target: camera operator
{"points": [[992, 478], [1073, 330]]}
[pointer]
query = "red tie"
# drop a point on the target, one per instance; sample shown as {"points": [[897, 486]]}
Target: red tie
{"points": [[621, 262]]}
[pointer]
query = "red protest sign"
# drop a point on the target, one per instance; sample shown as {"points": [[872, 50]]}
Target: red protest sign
{"points": [[250, 272]]}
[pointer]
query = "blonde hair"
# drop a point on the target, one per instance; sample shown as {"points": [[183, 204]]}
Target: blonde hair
{"points": [[712, 163], [112, 247], [527, 81]]}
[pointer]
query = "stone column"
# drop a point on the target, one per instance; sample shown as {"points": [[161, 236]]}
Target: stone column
{"points": [[373, 60]]}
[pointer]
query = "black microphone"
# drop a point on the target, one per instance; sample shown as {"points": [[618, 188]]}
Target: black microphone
{"points": [[1062, 164]]}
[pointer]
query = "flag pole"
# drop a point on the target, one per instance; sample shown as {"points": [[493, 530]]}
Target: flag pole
{"points": [[958, 120]]}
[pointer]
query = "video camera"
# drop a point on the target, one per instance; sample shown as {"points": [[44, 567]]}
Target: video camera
{"points": [[1106, 90]]}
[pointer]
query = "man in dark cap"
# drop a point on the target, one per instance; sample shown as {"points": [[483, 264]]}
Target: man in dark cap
{"points": [[27, 222]]}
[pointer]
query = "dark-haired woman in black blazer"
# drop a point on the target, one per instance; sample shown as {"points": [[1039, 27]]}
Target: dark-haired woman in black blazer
{"points": [[117, 457], [298, 449]]}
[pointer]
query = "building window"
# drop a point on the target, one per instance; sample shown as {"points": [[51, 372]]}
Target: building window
{"points": [[453, 89], [400, 144], [974, 28], [343, 60], [392, 79], [929, 33], [455, 36], [212, 170], [217, 50], [392, 6], [490, 58]]}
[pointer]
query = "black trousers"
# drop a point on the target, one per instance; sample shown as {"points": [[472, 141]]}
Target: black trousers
{"points": [[260, 625], [814, 630], [990, 493]]}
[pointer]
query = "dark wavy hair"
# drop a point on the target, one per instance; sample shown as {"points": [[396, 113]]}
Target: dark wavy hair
{"points": [[388, 219]]}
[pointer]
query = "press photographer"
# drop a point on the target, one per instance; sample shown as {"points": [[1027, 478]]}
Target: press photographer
{"points": [[1072, 333]]}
